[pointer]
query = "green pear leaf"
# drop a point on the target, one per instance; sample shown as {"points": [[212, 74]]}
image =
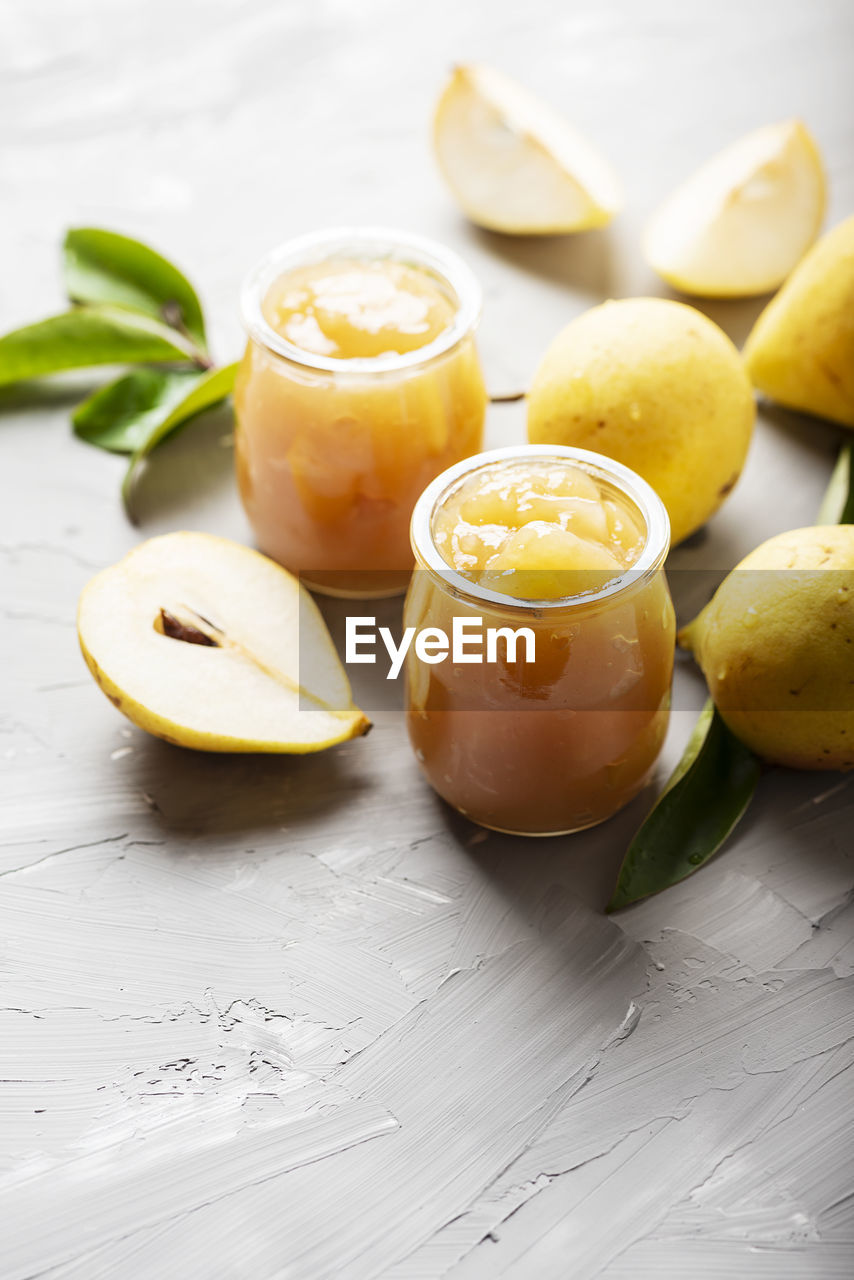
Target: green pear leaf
{"points": [[105, 267], [138, 412], [85, 337], [121, 416], [838, 504], [704, 799]]}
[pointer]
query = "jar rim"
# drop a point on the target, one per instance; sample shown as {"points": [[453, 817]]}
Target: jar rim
{"points": [[648, 503], [370, 241]]}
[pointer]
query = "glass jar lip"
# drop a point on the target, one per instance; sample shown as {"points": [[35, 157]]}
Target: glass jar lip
{"points": [[380, 242], [647, 501]]}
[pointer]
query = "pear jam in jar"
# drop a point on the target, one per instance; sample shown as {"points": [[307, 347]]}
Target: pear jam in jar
{"points": [[570, 546], [360, 383]]}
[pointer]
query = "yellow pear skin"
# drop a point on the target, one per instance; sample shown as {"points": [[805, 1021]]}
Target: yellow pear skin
{"points": [[776, 645], [657, 386], [801, 350]]}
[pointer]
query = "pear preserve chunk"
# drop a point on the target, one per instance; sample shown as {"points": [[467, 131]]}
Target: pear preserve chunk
{"points": [[537, 531]]}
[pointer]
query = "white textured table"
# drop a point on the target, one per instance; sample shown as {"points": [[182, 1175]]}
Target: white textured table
{"points": [[293, 1018]]}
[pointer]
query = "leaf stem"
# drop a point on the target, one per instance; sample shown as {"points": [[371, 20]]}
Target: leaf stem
{"points": [[173, 315], [511, 397], [838, 503]]}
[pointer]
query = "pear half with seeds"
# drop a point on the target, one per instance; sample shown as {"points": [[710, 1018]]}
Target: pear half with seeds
{"points": [[211, 645]]}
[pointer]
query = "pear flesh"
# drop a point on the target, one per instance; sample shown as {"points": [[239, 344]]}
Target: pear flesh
{"points": [[513, 163], [210, 645], [801, 349], [744, 220]]}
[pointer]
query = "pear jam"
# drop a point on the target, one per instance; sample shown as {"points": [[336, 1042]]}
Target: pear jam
{"points": [[355, 310], [572, 549], [535, 530], [340, 425]]}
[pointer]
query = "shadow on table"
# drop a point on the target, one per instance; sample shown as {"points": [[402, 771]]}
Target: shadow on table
{"points": [[196, 464], [525, 869], [736, 316], [794, 833], [816, 435], [214, 795], [800, 814], [582, 261], [37, 394]]}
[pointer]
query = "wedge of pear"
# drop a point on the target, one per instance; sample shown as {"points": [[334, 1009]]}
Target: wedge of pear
{"points": [[210, 645], [801, 349], [514, 164], [745, 218]]}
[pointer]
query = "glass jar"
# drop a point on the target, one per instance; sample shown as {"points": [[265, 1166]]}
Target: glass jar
{"points": [[558, 744], [331, 452]]}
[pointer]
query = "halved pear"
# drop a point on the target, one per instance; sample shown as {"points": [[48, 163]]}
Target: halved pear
{"points": [[513, 163], [800, 352], [210, 645], [744, 220]]}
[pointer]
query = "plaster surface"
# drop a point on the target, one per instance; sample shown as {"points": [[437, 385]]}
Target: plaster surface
{"points": [[292, 1017]]}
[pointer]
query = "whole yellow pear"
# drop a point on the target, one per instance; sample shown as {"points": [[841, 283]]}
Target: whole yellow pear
{"points": [[776, 645], [801, 349], [657, 386]]}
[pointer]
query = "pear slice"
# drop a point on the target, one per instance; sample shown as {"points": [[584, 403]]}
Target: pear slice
{"points": [[744, 220], [800, 352], [211, 645], [514, 164]]}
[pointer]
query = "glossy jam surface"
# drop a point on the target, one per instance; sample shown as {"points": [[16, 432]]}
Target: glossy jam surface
{"points": [[330, 463], [532, 529], [564, 742], [350, 309]]}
